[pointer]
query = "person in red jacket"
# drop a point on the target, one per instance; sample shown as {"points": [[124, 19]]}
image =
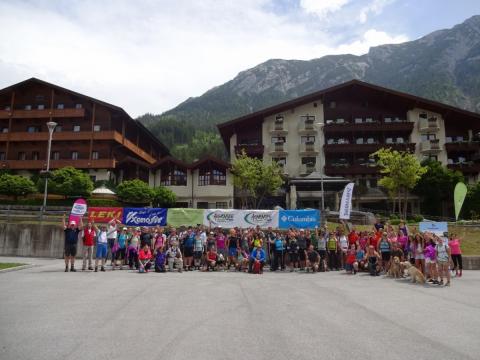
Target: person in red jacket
{"points": [[88, 243], [145, 258]]}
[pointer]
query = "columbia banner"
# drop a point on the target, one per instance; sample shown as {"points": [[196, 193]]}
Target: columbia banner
{"points": [[458, 197], [144, 216], [298, 219], [177, 217], [104, 214], [346, 203], [241, 218]]}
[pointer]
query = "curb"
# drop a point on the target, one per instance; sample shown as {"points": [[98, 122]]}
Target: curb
{"points": [[17, 268]]}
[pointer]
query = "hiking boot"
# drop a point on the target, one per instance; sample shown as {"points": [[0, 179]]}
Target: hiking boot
{"points": [[66, 268], [96, 269], [102, 269], [90, 268], [72, 269], [448, 283]]}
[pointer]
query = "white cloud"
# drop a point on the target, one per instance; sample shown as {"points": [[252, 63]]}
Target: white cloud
{"points": [[322, 8], [148, 56], [374, 7]]}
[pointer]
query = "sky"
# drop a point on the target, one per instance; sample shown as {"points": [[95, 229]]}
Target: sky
{"points": [[150, 55]]}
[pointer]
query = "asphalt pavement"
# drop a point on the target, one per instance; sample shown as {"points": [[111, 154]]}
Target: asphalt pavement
{"points": [[46, 313]]}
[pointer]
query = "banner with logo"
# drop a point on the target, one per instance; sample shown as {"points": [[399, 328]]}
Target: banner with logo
{"points": [[241, 218], [177, 217], [79, 209], [298, 219], [434, 227], [144, 216], [346, 203], [104, 214]]}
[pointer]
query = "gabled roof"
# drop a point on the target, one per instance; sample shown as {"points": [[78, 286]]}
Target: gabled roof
{"points": [[100, 102], [210, 159], [169, 160], [227, 129]]}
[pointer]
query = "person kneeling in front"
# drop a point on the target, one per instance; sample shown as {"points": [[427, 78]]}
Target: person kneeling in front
{"points": [[174, 257], [257, 260]]}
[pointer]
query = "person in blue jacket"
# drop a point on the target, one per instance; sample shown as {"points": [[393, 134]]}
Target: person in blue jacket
{"points": [[257, 255]]}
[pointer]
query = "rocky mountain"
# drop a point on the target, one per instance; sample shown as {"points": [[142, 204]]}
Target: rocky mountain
{"points": [[443, 66]]}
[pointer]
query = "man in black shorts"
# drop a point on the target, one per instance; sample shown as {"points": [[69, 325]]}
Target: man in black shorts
{"points": [[71, 240], [302, 249]]}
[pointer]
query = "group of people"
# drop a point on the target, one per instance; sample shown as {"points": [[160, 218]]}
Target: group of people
{"points": [[211, 249]]}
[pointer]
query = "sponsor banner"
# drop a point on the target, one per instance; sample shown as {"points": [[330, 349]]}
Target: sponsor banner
{"points": [[434, 227], [241, 218], [144, 216], [177, 217], [306, 219], [79, 209], [104, 214], [346, 203]]}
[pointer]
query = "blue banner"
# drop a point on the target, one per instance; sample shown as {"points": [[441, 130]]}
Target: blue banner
{"points": [[306, 219], [434, 227], [144, 216]]}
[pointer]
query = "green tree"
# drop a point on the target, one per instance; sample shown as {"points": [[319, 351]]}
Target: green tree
{"points": [[401, 171], [68, 181], [16, 185], [255, 180], [135, 191], [201, 144], [471, 207], [435, 188], [163, 197]]}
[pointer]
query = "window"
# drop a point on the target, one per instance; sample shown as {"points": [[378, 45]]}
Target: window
{"points": [[74, 155], [219, 177], [388, 120], [41, 107], [76, 128], [221, 205], [58, 128], [39, 98], [423, 116], [358, 120], [359, 141], [448, 139], [329, 121], [207, 176], [22, 155], [202, 205], [308, 118], [28, 107], [433, 158], [373, 183], [426, 137], [93, 178], [173, 177], [389, 140], [370, 141], [369, 120], [280, 161], [332, 105], [35, 155], [340, 121], [307, 139], [309, 161], [5, 130], [2, 156], [7, 108], [96, 127], [56, 155], [278, 139], [94, 155], [60, 106], [460, 138], [400, 140], [33, 129], [279, 119], [362, 183], [78, 106]]}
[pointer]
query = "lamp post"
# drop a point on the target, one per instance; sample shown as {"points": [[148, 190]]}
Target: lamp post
{"points": [[51, 126], [320, 127]]}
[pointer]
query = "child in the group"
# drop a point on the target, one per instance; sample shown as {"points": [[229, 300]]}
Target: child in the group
{"points": [[145, 258], [160, 260], [431, 261], [443, 254], [350, 260], [360, 259]]}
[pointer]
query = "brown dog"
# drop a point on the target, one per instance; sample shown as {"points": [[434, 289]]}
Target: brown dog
{"points": [[415, 274], [395, 270]]}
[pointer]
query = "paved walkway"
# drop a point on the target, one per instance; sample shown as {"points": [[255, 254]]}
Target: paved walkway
{"points": [[48, 314]]}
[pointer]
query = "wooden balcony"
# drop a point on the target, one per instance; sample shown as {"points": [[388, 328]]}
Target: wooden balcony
{"points": [[348, 169], [428, 125], [366, 148], [278, 149], [278, 128], [470, 168], [252, 150], [40, 114], [430, 146], [76, 136], [404, 126], [309, 149], [467, 146], [55, 164]]}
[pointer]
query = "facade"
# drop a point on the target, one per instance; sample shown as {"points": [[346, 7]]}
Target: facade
{"points": [[101, 139], [330, 134]]}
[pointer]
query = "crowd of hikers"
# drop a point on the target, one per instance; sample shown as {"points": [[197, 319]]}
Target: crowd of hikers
{"points": [[205, 248]]}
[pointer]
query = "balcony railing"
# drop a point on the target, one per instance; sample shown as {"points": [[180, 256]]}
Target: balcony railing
{"points": [[463, 146], [430, 146], [309, 147], [367, 148], [307, 126], [278, 126], [400, 126], [43, 113], [251, 150], [468, 167], [55, 164], [278, 147], [430, 124], [350, 169]]}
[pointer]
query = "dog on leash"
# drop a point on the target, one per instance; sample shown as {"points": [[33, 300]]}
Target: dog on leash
{"points": [[395, 270], [415, 274]]}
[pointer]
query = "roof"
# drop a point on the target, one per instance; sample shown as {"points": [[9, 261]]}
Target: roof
{"points": [[227, 129], [103, 191], [210, 159], [167, 160], [100, 102]]}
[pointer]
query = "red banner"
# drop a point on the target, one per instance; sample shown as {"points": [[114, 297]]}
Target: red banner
{"points": [[104, 214]]}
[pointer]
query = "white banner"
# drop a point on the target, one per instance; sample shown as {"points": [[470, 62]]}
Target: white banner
{"points": [[241, 218], [346, 204]]}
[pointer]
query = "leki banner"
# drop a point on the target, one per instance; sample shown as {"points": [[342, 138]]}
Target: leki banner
{"points": [[346, 203], [104, 214], [241, 218], [190, 217], [79, 209]]}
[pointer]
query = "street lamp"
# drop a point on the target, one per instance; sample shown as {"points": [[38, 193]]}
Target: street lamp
{"points": [[51, 126], [320, 126]]}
